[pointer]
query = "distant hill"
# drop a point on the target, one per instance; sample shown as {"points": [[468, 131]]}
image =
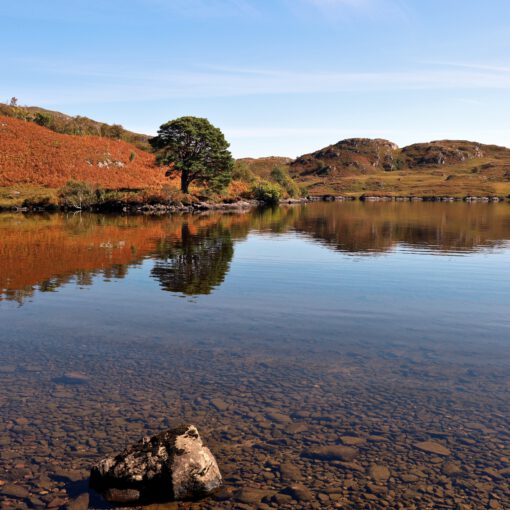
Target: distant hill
{"points": [[77, 125], [262, 167], [376, 166], [31, 154]]}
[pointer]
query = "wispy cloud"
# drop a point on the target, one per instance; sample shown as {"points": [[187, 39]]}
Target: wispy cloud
{"points": [[346, 9], [473, 65], [335, 4], [220, 8], [71, 83], [204, 8], [298, 132]]}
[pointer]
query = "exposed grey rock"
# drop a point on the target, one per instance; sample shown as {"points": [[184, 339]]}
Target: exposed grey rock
{"points": [[173, 465]]}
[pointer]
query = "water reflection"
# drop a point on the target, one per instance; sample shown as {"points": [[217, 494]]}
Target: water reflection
{"points": [[197, 262], [192, 253]]}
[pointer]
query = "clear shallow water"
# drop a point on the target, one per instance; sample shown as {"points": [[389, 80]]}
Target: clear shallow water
{"points": [[273, 331]]}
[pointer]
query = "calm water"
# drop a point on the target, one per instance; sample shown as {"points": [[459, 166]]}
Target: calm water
{"points": [[378, 326]]}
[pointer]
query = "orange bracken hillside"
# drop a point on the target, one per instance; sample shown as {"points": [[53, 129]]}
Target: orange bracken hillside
{"points": [[31, 154]]}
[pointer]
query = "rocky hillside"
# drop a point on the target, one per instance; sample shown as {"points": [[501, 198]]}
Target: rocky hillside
{"points": [[348, 157], [446, 167], [31, 154]]}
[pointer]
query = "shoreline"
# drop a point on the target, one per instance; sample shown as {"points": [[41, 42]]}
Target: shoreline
{"points": [[242, 205]]}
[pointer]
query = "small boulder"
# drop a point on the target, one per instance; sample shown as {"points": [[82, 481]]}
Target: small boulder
{"points": [[171, 466]]}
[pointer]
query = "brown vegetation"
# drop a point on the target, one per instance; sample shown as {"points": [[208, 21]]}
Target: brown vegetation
{"points": [[361, 166], [447, 167], [69, 125], [33, 155]]}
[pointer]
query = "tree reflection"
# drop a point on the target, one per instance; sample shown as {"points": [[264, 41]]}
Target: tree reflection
{"points": [[192, 253], [197, 263]]}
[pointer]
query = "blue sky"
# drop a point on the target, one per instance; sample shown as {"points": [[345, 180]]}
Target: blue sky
{"points": [[279, 77]]}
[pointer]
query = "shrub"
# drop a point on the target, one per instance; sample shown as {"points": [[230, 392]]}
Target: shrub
{"points": [[400, 164], [114, 131], [242, 172], [267, 192], [40, 202], [281, 177], [21, 113], [79, 195], [43, 119]]}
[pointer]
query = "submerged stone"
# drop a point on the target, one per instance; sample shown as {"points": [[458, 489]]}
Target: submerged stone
{"points": [[432, 447], [72, 378], [332, 452], [172, 465]]}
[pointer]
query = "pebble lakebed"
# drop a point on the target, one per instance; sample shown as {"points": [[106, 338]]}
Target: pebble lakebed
{"points": [[360, 428]]}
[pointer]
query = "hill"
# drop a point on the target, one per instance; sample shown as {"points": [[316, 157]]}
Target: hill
{"points": [[73, 125], [445, 167], [262, 167], [33, 155]]}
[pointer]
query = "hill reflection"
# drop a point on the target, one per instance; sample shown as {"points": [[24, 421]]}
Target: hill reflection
{"points": [[192, 253]]}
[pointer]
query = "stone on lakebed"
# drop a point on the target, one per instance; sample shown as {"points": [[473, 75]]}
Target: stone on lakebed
{"points": [[331, 452], [432, 447], [171, 466]]}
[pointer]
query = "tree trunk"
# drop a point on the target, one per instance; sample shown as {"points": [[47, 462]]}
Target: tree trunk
{"points": [[184, 182]]}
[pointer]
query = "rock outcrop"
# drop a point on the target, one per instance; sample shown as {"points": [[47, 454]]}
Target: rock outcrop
{"points": [[438, 168], [173, 465], [354, 155]]}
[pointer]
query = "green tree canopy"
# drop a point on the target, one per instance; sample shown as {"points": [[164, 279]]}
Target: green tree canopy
{"points": [[197, 150]]}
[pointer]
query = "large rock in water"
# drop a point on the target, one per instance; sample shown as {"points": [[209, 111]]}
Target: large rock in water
{"points": [[173, 465]]}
